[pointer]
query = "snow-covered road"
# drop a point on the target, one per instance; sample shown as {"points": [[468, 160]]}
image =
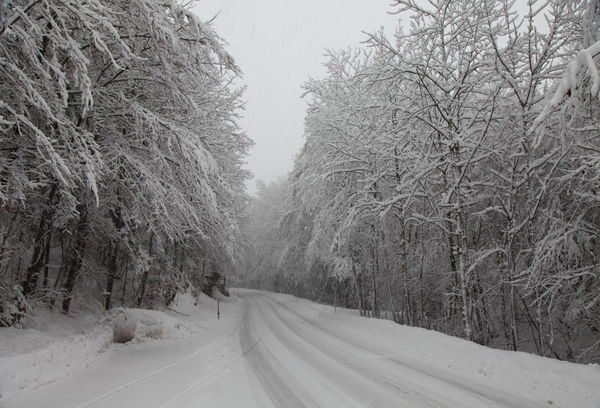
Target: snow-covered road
{"points": [[301, 363], [277, 351]]}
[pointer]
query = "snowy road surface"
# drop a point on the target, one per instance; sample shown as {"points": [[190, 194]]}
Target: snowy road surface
{"points": [[277, 351]]}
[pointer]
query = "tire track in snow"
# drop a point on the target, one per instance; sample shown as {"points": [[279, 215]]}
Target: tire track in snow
{"points": [[268, 371], [151, 375], [357, 380], [335, 368], [492, 396], [189, 390]]}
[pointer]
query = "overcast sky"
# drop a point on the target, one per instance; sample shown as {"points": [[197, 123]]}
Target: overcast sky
{"points": [[278, 44]]}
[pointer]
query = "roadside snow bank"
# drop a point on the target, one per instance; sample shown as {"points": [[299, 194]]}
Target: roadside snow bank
{"points": [[32, 357], [456, 361], [51, 361]]}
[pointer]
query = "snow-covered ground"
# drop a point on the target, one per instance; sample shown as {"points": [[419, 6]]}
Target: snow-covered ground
{"points": [[53, 346], [270, 350]]}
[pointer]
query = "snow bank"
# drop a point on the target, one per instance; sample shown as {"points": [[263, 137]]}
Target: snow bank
{"points": [[191, 310], [557, 383], [186, 304], [457, 361], [58, 345], [51, 361]]}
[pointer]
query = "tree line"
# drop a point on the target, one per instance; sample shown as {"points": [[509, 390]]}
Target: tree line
{"points": [[121, 175], [450, 178]]}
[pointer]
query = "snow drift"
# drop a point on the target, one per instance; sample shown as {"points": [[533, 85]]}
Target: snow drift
{"points": [[52, 361], [33, 357]]}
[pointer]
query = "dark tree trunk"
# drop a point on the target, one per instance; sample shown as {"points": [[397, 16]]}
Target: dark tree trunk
{"points": [[117, 219], [73, 264], [37, 259], [47, 259], [110, 277], [124, 287], [374, 273], [39, 246], [140, 298]]}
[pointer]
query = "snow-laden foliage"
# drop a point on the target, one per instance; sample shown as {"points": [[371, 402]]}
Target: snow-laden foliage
{"points": [[438, 185], [120, 156]]}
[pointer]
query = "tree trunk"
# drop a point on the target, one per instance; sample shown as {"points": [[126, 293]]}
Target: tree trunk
{"points": [[146, 272], [117, 219], [421, 273], [374, 273], [462, 274], [357, 288], [404, 268], [124, 287], [39, 246], [182, 259], [388, 278], [47, 260], [112, 272], [77, 249]]}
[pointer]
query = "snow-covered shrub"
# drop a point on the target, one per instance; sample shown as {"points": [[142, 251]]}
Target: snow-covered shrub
{"points": [[122, 326], [140, 324]]}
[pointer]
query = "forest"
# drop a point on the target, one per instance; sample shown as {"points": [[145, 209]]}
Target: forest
{"points": [[121, 161], [449, 177]]}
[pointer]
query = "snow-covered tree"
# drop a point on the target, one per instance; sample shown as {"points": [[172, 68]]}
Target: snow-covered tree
{"points": [[440, 182], [120, 149]]}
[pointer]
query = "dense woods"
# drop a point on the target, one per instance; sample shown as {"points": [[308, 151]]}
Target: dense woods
{"points": [[450, 178], [121, 175]]}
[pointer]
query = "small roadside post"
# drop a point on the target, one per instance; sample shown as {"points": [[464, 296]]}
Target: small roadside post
{"points": [[335, 295]]}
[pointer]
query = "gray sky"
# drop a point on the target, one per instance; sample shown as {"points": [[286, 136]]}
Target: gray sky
{"points": [[279, 44]]}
